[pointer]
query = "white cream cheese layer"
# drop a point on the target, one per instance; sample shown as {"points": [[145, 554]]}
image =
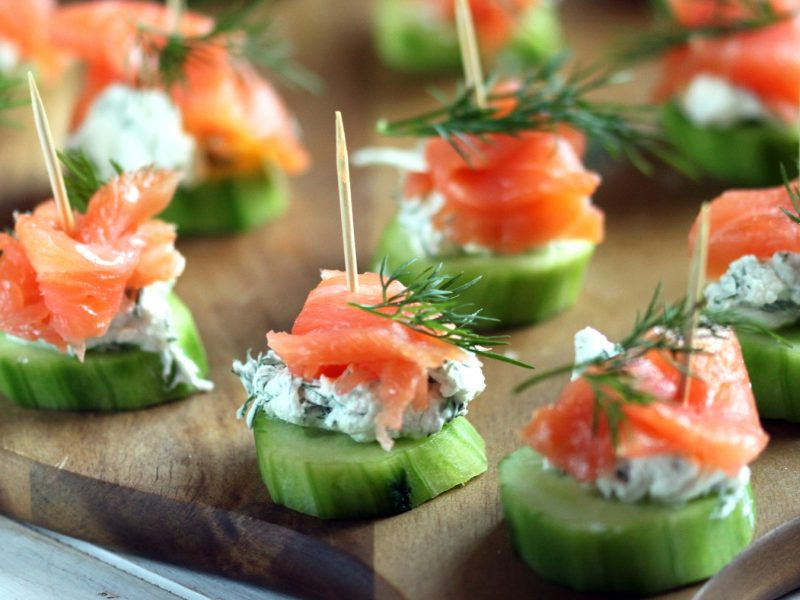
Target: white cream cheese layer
{"points": [[766, 292], [667, 478], [9, 56], [273, 389], [148, 325], [712, 101], [134, 128]]}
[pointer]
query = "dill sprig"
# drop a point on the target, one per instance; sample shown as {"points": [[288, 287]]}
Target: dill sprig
{"points": [[243, 36], [547, 96], [669, 33], [429, 304], [794, 195], [81, 177], [11, 96], [655, 329]]}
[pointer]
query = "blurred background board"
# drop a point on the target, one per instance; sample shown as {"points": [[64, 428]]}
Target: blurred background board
{"points": [[179, 482]]}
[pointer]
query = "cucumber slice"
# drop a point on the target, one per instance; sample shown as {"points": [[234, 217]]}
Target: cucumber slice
{"points": [[515, 289], [328, 475], [749, 154], [774, 371], [229, 205], [409, 41], [571, 535], [36, 375]]}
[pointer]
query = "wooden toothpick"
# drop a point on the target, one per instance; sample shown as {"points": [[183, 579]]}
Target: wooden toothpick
{"points": [[470, 57], [175, 10], [346, 206], [694, 294], [51, 159]]}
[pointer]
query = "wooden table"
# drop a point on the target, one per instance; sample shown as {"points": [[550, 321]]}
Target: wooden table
{"points": [[179, 482]]}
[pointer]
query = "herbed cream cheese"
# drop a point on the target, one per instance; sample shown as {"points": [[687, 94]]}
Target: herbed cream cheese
{"points": [[712, 101], [9, 56], [766, 292], [147, 324], [135, 128], [272, 388], [667, 478]]}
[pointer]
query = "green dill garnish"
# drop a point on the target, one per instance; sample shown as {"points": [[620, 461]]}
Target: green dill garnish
{"points": [[11, 96], [81, 177], [669, 34], [794, 195], [429, 304], [241, 35], [547, 96], [656, 329]]}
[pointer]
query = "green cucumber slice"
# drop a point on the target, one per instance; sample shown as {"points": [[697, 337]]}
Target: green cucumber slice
{"points": [[408, 41], [774, 370], [748, 154], [328, 475], [36, 375], [515, 289], [571, 535], [229, 205]]}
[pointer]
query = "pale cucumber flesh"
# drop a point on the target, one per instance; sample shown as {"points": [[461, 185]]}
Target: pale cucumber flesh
{"points": [[328, 475], [408, 41], [774, 370], [36, 375], [514, 289], [571, 535], [749, 154], [228, 205]]}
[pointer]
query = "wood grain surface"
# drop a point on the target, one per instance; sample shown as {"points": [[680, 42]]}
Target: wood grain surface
{"points": [[179, 482]]}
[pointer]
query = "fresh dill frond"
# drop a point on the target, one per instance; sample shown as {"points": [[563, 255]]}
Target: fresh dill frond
{"points": [[429, 304], [241, 35], [794, 195], [657, 328], [546, 97], [669, 34], [12, 95], [81, 177]]}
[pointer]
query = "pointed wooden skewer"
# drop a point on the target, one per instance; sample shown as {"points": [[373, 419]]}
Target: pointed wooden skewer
{"points": [[51, 159], [346, 207], [470, 57], [697, 279], [175, 10]]}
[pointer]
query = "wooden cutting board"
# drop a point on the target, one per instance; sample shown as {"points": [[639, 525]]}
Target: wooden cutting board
{"points": [[179, 482]]}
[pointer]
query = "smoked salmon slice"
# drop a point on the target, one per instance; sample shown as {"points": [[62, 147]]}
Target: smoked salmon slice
{"points": [[717, 427], [27, 25], [494, 19], [763, 61], [746, 222], [331, 337], [234, 114], [513, 192], [64, 289]]}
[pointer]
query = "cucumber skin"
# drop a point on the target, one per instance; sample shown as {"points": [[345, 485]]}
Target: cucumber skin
{"points": [[328, 475], [774, 372], [405, 43], [748, 154], [571, 535], [513, 289], [228, 205], [35, 375]]}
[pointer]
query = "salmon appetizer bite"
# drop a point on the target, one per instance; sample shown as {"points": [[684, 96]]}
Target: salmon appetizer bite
{"points": [[754, 262], [181, 95], [359, 411], [638, 463], [502, 193], [731, 89], [88, 318], [420, 35]]}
